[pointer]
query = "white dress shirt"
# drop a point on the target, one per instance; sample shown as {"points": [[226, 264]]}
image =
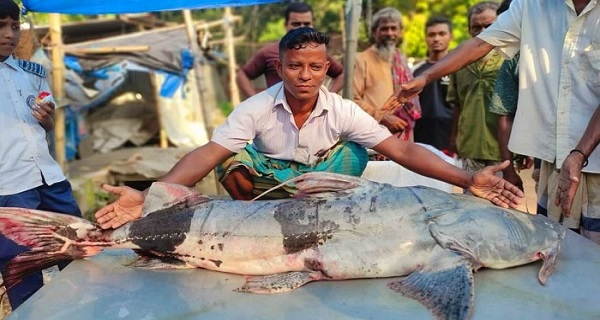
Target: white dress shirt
{"points": [[559, 76], [267, 120], [24, 155]]}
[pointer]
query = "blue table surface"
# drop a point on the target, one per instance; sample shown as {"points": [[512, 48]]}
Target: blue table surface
{"points": [[101, 287]]}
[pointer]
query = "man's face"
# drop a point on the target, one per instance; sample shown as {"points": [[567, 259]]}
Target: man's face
{"points": [[10, 32], [299, 19], [388, 33], [481, 21], [303, 71], [438, 37]]}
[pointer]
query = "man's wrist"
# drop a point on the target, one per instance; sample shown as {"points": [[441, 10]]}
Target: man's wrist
{"points": [[582, 155]]}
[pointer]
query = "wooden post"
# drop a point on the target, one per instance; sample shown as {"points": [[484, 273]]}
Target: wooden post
{"points": [[353, 8], [199, 80], [207, 99], [58, 89], [228, 22]]}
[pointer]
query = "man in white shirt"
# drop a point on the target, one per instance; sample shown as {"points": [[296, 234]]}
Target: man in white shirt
{"points": [[558, 115], [295, 126], [29, 177]]}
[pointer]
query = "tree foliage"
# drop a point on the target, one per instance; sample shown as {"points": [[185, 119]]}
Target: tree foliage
{"points": [[265, 22]]}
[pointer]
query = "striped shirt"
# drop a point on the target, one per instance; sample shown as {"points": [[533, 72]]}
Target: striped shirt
{"points": [[24, 155], [267, 120]]}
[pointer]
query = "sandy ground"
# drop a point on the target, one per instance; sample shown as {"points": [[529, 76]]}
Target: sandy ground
{"points": [[528, 205]]}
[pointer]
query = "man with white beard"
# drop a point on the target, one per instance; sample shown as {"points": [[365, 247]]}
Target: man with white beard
{"points": [[380, 70]]}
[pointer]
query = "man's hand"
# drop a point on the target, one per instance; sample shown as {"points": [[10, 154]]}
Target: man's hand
{"points": [[412, 88], [568, 180], [485, 184], [128, 207], [393, 123], [509, 174], [392, 103]]}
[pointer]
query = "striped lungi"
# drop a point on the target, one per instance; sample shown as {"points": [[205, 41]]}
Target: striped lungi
{"points": [[345, 158]]}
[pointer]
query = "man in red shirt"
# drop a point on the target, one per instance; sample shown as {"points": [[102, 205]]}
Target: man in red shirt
{"points": [[297, 14]]}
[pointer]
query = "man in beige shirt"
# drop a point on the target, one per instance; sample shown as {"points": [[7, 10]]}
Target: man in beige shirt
{"points": [[380, 70]]}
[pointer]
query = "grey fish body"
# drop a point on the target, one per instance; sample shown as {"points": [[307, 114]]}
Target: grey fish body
{"points": [[342, 228], [376, 230]]}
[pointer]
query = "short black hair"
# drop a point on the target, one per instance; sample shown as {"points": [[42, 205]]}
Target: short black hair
{"points": [[433, 20], [299, 38], [503, 6], [9, 8], [299, 7]]}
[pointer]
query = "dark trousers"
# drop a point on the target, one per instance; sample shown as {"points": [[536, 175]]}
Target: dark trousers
{"points": [[56, 198]]}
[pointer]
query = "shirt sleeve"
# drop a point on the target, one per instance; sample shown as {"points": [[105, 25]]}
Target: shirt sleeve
{"points": [[238, 129], [506, 90], [505, 33], [361, 128], [256, 66]]}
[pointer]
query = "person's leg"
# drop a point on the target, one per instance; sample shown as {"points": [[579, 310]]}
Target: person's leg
{"points": [[58, 198], [590, 220], [347, 158], [20, 292]]}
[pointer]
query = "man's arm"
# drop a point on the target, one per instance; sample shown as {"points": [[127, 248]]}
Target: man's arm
{"points": [[465, 54], [484, 183], [570, 170], [196, 165], [244, 83], [188, 171], [337, 83]]}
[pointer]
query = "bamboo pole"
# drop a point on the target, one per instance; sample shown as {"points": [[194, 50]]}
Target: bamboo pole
{"points": [[204, 87], [229, 40], [58, 90], [353, 9]]}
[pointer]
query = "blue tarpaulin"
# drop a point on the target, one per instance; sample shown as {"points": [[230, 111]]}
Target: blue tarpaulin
{"points": [[130, 6]]}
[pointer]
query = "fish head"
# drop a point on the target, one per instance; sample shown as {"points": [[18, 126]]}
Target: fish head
{"points": [[500, 238]]}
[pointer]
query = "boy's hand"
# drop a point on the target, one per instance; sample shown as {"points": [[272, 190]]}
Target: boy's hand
{"points": [[44, 111]]}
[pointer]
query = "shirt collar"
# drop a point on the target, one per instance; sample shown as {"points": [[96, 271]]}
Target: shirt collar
{"points": [[322, 101], [12, 62]]}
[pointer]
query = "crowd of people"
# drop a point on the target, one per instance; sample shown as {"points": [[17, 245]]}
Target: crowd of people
{"points": [[505, 91]]}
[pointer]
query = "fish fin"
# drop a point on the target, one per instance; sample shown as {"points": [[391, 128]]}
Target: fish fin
{"points": [[320, 183], [448, 292], [279, 282], [162, 195], [451, 243], [145, 261], [549, 258], [50, 237]]}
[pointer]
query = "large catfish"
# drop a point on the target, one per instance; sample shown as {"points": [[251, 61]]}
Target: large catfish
{"points": [[339, 227]]}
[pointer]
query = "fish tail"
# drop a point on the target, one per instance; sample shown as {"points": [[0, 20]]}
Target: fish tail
{"points": [[49, 238]]}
